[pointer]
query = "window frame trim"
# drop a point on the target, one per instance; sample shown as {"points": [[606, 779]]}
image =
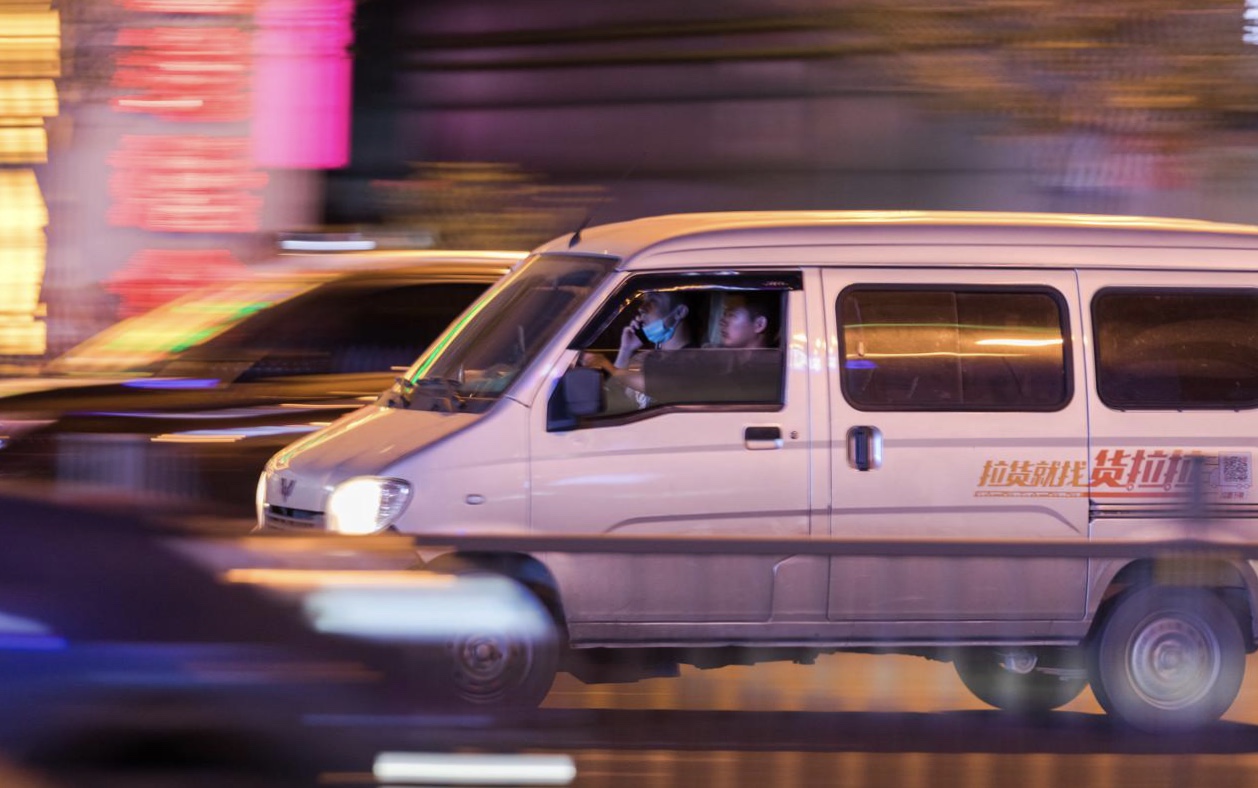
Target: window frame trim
{"points": [[742, 279]]}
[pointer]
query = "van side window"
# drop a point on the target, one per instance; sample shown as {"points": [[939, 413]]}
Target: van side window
{"points": [[1176, 349], [672, 341], [943, 349]]}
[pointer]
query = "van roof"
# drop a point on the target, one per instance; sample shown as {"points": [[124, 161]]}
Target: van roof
{"points": [[747, 229]]}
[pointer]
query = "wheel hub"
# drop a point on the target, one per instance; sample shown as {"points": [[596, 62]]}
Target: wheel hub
{"points": [[1173, 662], [484, 657]]}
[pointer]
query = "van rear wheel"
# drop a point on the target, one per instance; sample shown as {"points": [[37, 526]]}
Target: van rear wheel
{"points": [[1168, 658], [1022, 681]]}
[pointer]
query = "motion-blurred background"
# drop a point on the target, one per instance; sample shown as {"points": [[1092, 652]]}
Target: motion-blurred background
{"points": [[150, 146]]}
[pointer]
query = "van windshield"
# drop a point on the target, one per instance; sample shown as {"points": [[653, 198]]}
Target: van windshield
{"points": [[473, 363]]}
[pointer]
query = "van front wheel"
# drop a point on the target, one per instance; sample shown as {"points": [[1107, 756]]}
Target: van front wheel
{"points": [[509, 659], [505, 670], [1168, 658], [1026, 682]]}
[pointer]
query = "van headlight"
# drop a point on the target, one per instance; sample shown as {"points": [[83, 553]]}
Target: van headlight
{"points": [[366, 504]]}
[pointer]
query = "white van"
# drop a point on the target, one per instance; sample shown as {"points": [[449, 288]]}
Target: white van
{"points": [[1074, 381]]}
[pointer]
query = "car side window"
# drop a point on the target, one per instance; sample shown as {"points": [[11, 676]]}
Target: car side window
{"points": [[360, 328], [394, 326], [947, 349], [1161, 349], [670, 342]]}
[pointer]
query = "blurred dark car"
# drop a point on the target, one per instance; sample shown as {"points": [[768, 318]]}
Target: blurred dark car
{"points": [[124, 661], [181, 407]]}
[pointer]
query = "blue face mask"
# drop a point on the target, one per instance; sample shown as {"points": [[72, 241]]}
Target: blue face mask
{"points": [[658, 331]]}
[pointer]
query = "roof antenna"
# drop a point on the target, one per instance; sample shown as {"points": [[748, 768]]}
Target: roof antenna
{"points": [[576, 235]]}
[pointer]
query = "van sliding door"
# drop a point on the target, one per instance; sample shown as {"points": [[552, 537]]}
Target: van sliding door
{"points": [[956, 413]]}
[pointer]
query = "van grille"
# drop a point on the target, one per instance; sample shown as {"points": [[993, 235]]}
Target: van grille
{"points": [[290, 519]]}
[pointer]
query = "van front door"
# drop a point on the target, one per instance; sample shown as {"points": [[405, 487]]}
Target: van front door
{"points": [[957, 412], [688, 445]]}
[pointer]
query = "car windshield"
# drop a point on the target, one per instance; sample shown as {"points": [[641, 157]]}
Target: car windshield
{"points": [[144, 344], [470, 366]]}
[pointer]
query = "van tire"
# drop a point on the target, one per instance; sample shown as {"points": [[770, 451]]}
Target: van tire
{"points": [[1168, 658], [507, 669], [982, 672]]}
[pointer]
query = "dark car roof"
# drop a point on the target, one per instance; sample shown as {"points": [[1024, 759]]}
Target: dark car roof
{"points": [[198, 317]]}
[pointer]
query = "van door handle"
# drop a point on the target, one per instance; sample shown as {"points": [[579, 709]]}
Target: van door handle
{"points": [[864, 448], [759, 438]]}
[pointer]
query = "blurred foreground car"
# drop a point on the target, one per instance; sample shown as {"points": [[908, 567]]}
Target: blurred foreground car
{"points": [[183, 405], [131, 656]]}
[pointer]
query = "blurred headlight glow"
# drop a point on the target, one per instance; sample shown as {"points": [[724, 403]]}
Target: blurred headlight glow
{"points": [[259, 499], [366, 504], [12, 429]]}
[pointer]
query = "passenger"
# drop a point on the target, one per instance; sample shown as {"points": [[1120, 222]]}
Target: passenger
{"points": [[747, 320]]}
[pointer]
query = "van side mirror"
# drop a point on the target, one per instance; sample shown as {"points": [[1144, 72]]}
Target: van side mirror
{"points": [[579, 394]]}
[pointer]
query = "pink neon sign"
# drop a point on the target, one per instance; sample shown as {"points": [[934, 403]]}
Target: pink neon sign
{"points": [[237, 7], [185, 184], [185, 73], [301, 83]]}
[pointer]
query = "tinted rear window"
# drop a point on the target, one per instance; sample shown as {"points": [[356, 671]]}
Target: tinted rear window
{"points": [[1177, 349]]}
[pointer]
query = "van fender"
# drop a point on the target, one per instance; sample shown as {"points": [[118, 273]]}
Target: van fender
{"points": [[1236, 577], [524, 568]]}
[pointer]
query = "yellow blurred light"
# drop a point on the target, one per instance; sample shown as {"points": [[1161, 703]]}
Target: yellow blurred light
{"points": [[21, 336], [28, 61], [313, 578], [37, 25], [1011, 342], [23, 216], [21, 203], [30, 41], [30, 48], [27, 98], [23, 145]]}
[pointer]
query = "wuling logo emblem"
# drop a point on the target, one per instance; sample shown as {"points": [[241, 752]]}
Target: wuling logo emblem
{"points": [[286, 487]]}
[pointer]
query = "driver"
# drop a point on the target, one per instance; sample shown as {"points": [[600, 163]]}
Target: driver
{"points": [[662, 323]]}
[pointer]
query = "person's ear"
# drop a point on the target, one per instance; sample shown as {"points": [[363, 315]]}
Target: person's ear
{"points": [[680, 312], [760, 324]]}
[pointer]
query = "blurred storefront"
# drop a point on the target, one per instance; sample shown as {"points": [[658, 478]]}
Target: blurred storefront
{"points": [[802, 104], [192, 131], [181, 135]]}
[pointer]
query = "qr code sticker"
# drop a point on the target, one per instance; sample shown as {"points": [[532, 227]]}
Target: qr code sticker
{"points": [[1236, 471]]}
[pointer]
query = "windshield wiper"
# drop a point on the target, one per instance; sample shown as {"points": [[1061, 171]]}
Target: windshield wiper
{"points": [[403, 388]]}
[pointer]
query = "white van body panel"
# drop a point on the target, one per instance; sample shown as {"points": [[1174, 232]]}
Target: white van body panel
{"points": [[475, 481]]}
